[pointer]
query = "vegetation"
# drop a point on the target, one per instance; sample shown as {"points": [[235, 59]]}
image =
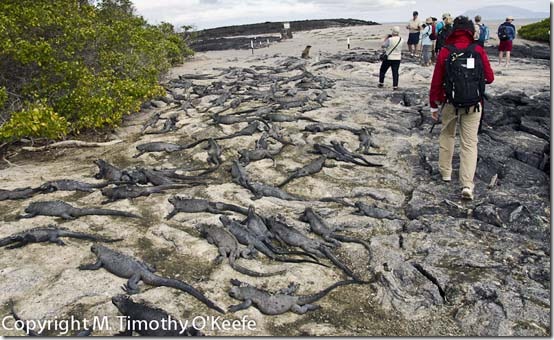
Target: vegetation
{"points": [[71, 65], [538, 31]]}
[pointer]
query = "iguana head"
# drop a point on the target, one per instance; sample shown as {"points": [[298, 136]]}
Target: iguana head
{"points": [[47, 187], [120, 300], [236, 293], [97, 248]]}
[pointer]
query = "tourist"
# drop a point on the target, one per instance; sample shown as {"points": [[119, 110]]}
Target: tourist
{"points": [[506, 34], [443, 34], [440, 24], [414, 27], [434, 39], [451, 99], [481, 31], [426, 42], [393, 48]]}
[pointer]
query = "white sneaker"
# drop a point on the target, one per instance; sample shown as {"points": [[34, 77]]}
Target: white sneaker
{"points": [[467, 193], [447, 178]]}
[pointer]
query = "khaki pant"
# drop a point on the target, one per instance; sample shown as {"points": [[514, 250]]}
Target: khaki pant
{"points": [[469, 125]]}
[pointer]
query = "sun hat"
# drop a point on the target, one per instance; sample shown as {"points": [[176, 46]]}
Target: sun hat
{"points": [[429, 20], [445, 15], [510, 18], [396, 30]]}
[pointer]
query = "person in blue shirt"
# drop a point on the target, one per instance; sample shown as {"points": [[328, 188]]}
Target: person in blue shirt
{"points": [[506, 34]]}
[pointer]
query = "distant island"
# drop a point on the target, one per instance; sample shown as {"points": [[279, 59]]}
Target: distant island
{"points": [[229, 37], [502, 11]]}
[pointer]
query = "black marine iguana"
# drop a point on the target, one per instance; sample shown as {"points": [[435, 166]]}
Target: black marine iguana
{"points": [[51, 234], [18, 194], [245, 237], [375, 212], [228, 247], [70, 185], [133, 191], [67, 211], [193, 205], [140, 312], [280, 302], [323, 229], [127, 267], [312, 168], [157, 147], [214, 152], [289, 235]]}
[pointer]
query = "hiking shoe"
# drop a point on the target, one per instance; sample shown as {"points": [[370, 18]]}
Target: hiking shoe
{"points": [[446, 178], [467, 193], [380, 85], [394, 88]]}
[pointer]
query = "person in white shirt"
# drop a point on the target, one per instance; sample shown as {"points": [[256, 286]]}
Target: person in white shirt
{"points": [[426, 42], [393, 47]]}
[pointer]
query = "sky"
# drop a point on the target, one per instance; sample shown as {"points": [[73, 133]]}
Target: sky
{"points": [[203, 14]]}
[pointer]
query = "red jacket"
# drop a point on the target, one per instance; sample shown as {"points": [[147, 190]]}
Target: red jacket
{"points": [[461, 39]]}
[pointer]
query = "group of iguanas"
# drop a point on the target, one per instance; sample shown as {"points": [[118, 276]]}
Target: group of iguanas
{"points": [[236, 239]]}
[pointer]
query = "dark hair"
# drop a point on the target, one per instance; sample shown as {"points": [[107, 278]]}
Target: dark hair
{"points": [[415, 13], [464, 23]]}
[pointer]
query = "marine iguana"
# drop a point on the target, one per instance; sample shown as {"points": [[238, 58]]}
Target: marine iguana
{"points": [[280, 302], [128, 267], [67, 211], [133, 191], [228, 247], [375, 212], [312, 168], [247, 156], [342, 149], [151, 122], [214, 153], [157, 147], [170, 124], [18, 194], [280, 118], [108, 172], [245, 237], [51, 234], [320, 127], [331, 152], [289, 235], [366, 141], [262, 143], [193, 205], [319, 226], [70, 185], [141, 312]]}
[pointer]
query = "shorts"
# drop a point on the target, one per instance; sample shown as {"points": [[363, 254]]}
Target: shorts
{"points": [[505, 46], [413, 39]]}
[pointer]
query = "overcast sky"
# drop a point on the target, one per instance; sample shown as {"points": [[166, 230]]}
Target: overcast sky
{"points": [[214, 13]]}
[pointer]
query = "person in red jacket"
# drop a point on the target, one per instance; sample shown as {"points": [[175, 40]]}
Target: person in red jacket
{"points": [[461, 38]]}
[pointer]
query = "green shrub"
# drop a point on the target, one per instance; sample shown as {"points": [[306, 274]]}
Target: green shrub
{"points": [[538, 31], [70, 65]]}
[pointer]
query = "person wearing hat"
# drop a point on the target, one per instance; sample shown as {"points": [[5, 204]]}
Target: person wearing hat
{"points": [[440, 24], [468, 120], [426, 42], [506, 34], [414, 27], [393, 47]]}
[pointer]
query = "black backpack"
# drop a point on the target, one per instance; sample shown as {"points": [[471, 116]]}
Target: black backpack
{"points": [[464, 87], [503, 33]]}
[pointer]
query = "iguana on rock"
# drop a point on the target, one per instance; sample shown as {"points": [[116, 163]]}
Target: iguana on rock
{"points": [[127, 267], [51, 234], [136, 313], [194, 205], [228, 247], [313, 167], [70, 185], [67, 211], [280, 302], [133, 191], [18, 194], [157, 147], [319, 226]]}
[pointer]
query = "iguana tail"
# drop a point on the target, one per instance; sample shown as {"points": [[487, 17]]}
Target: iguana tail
{"points": [[156, 280], [282, 252], [249, 272], [110, 212], [302, 300], [338, 263], [352, 240], [83, 236], [8, 240]]}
